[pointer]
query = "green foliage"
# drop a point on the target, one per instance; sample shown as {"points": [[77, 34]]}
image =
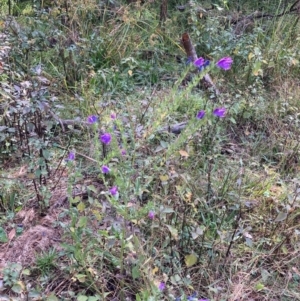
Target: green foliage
{"points": [[46, 261], [221, 191], [11, 277]]}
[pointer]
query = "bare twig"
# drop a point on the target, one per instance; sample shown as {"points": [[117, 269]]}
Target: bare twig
{"points": [[191, 54]]}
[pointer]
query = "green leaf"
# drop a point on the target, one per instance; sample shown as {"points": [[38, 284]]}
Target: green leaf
{"points": [[81, 207], [135, 272], [18, 287], [232, 120], [46, 154], [82, 298], [82, 222], [259, 286], [281, 217], [92, 188], [52, 298], [173, 231], [138, 298], [80, 277], [264, 275], [3, 236], [75, 200], [190, 260], [34, 294], [26, 272]]}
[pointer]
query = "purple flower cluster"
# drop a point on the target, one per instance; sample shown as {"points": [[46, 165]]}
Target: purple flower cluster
{"points": [[200, 114], [201, 63], [92, 119], [113, 191], [105, 169], [161, 286], [105, 138], [71, 156], [151, 214], [218, 112], [224, 63]]}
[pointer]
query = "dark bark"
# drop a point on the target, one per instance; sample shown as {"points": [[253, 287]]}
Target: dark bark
{"points": [[163, 11]]}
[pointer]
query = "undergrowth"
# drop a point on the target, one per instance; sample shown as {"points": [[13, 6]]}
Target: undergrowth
{"points": [[124, 178]]}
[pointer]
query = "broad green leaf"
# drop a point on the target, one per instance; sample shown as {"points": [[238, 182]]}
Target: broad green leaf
{"points": [[256, 70], [135, 272], [82, 298], [81, 207], [190, 260], [18, 287]]}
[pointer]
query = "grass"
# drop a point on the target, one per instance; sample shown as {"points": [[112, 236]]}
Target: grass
{"points": [[223, 193]]}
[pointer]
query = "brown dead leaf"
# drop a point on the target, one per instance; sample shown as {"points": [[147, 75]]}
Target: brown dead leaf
{"points": [[12, 234], [183, 153]]}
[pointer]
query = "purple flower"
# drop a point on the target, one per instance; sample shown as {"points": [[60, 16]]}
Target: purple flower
{"points": [[225, 63], [200, 114], [123, 152], [161, 286], [199, 62], [219, 112], [113, 116], [105, 169], [151, 214], [71, 156], [105, 138], [92, 119], [113, 190]]}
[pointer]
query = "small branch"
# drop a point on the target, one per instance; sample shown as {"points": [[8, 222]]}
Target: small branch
{"points": [[192, 55]]}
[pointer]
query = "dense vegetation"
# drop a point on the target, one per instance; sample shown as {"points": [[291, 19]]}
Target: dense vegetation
{"points": [[125, 175]]}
